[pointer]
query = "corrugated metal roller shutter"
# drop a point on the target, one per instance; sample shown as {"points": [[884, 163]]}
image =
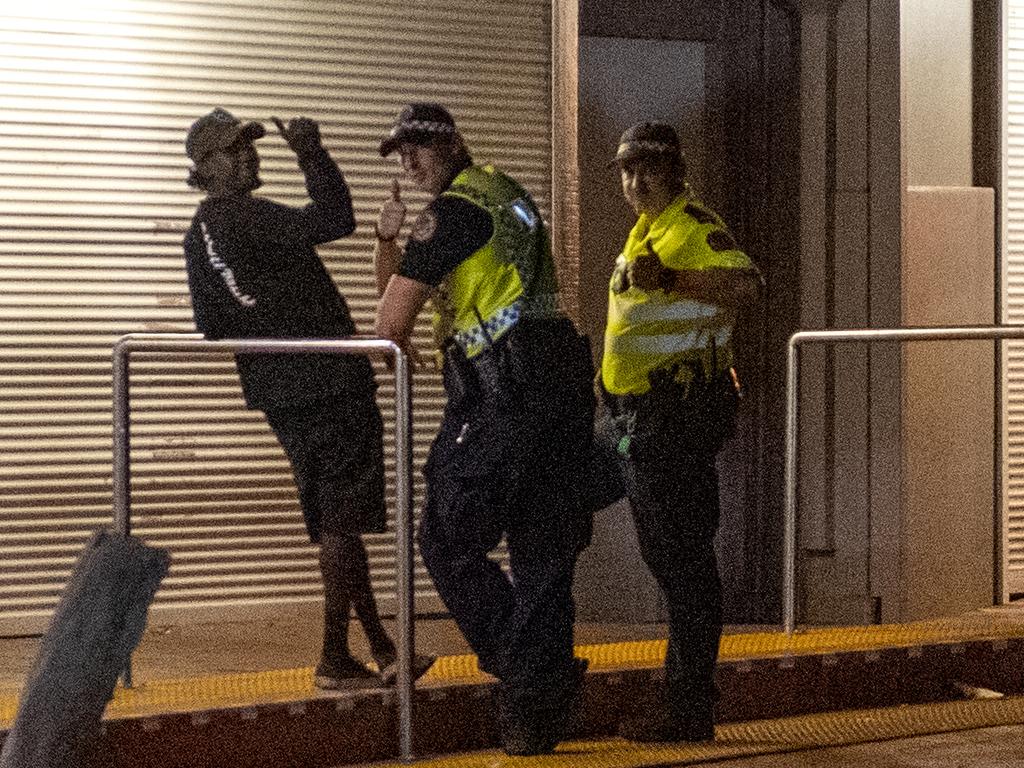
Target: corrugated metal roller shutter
{"points": [[1013, 304], [95, 99]]}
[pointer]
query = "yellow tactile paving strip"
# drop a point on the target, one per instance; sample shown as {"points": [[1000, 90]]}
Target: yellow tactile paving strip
{"points": [[759, 737], [876, 636], [151, 697]]}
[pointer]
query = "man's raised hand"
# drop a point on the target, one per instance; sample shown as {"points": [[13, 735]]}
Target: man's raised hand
{"points": [[301, 133]]}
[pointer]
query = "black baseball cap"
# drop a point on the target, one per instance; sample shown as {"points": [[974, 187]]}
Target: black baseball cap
{"points": [[648, 140], [218, 130], [418, 123]]}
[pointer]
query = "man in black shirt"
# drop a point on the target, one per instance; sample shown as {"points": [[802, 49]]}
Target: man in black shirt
{"points": [[253, 272]]}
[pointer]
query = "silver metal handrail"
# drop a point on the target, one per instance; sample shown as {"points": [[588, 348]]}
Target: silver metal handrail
{"points": [[195, 343], [978, 332]]}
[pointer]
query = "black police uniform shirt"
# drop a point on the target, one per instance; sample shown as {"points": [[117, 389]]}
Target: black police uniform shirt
{"points": [[253, 272], [448, 232]]}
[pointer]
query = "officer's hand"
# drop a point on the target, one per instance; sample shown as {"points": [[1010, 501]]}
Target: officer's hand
{"points": [[301, 133], [646, 272], [392, 214]]}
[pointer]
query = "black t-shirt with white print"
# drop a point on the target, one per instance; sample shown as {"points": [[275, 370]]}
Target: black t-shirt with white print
{"points": [[253, 272]]}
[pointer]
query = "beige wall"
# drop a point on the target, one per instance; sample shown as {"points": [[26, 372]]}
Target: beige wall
{"points": [[937, 91], [947, 561], [896, 482], [949, 404]]}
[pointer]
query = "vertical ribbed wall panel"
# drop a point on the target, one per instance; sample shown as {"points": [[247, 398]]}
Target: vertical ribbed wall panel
{"points": [[95, 99], [1013, 302]]}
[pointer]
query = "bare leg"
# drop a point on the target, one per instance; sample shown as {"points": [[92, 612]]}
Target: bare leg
{"points": [[346, 574]]}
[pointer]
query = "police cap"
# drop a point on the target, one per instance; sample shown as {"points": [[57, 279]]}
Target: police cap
{"points": [[418, 123], [648, 140]]}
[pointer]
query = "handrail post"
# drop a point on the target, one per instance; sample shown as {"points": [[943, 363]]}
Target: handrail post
{"points": [[121, 474], [404, 549], [789, 519], [121, 480], [186, 342], [837, 336]]}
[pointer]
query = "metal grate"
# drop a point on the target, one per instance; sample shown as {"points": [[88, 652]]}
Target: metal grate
{"points": [[96, 98]]}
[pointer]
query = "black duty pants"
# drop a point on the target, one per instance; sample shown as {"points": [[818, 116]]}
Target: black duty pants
{"points": [[675, 509], [509, 466]]}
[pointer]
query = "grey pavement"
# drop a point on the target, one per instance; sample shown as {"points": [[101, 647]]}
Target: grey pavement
{"points": [[1001, 747]]}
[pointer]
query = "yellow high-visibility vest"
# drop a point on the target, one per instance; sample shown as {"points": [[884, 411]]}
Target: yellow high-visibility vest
{"points": [[510, 277], [647, 330]]}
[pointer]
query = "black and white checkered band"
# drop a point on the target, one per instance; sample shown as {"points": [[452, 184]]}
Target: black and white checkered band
{"points": [[494, 327], [474, 339], [650, 146], [422, 126]]}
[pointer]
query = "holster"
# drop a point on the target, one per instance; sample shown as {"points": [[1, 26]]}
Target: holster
{"points": [[495, 375], [499, 369], [533, 357], [676, 419], [461, 383]]}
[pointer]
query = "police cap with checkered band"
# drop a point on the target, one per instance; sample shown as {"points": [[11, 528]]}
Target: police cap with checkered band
{"points": [[648, 140], [419, 123]]}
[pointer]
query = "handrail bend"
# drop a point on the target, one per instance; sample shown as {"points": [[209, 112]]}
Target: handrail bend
{"points": [[800, 338], [195, 343]]}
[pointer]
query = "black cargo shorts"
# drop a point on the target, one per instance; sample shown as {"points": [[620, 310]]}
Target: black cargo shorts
{"points": [[336, 451]]}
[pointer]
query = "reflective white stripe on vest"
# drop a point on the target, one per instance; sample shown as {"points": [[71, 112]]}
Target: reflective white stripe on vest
{"points": [[686, 309], [667, 344]]}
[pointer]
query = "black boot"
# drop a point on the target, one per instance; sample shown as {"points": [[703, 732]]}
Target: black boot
{"points": [[521, 724], [534, 724]]}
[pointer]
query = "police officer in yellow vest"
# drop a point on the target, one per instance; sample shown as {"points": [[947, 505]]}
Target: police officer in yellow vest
{"points": [[667, 379], [517, 424]]}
